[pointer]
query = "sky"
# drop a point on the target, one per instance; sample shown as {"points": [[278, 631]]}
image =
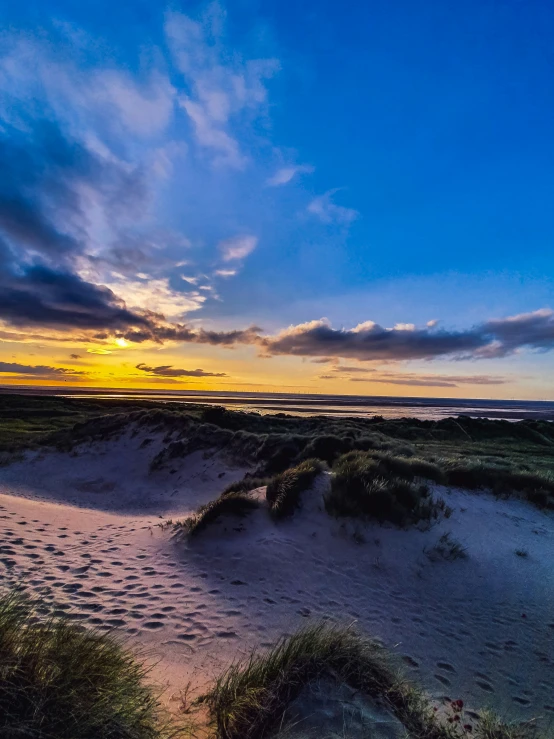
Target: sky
{"points": [[278, 196]]}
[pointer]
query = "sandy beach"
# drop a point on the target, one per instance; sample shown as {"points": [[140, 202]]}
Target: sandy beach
{"points": [[81, 531]]}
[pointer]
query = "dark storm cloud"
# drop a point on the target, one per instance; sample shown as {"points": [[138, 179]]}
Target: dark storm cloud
{"points": [[44, 172], [167, 370], [157, 330], [40, 296], [43, 229]]}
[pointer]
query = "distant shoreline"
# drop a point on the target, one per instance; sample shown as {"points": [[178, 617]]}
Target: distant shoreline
{"points": [[306, 404]]}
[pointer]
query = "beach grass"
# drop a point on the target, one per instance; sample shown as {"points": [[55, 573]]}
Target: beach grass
{"points": [[60, 680], [362, 487], [229, 504], [284, 490], [246, 484], [250, 698]]}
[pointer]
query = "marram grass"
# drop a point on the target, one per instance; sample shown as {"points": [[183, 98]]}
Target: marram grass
{"points": [[61, 681], [249, 700], [228, 504], [284, 490]]}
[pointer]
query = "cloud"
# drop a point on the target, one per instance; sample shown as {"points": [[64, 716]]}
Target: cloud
{"points": [[534, 329], [40, 296], [409, 381], [144, 109], [284, 175], [425, 380], [225, 89], [370, 341], [431, 380], [169, 371], [213, 136], [349, 369], [328, 212], [225, 272], [78, 187], [237, 247], [42, 371]]}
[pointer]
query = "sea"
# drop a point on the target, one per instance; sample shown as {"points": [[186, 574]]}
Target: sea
{"points": [[332, 405]]}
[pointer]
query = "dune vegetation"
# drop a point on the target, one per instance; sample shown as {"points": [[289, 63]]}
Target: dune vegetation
{"points": [[363, 487], [249, 700], [284, 490], [507, 458], [60, 680], [229, 504]]}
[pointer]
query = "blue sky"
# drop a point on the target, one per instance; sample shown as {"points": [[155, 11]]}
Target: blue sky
{"points": [[222, 166]]}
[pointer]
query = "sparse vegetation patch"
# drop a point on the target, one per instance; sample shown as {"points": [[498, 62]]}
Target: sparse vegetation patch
{"points": [[230, 504], [447, 548]]}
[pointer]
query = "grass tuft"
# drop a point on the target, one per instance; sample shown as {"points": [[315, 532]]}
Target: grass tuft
{"points": [[363, 487], [250, 698], [228, 504], [284, 490], [245, 485], [60, 680]]}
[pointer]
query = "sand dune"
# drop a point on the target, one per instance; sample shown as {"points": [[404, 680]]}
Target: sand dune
{"points": [[481, 627]]}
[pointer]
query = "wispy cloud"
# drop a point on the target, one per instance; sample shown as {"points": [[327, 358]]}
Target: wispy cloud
{"points": [[416, 380], [225, 89], [237, 247], [357, 373], [284, 175], [329, 212], [144, 109]]}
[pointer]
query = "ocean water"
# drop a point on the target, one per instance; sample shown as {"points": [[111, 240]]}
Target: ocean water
{"points": [[343, 405]]}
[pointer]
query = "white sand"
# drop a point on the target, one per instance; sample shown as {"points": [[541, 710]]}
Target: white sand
{"points": [[80, 531]]}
